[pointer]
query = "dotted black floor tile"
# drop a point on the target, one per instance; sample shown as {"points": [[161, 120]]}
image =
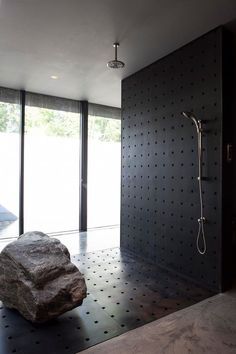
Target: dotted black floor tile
{"points": [[123, 293]]}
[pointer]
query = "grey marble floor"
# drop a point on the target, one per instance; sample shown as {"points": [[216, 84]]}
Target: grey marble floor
{"points": [[208, 327]]}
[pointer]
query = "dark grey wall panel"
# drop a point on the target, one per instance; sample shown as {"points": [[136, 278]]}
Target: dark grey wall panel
{"points": [[160, 200]]}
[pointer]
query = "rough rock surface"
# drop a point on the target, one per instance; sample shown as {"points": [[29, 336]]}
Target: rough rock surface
{"points": [[38, 279]]}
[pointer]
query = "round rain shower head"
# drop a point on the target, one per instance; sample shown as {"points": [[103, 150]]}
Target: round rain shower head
{"points": [[115, 64]]}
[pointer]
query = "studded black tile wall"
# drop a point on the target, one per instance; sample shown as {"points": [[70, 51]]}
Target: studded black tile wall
{"points": [[160, 198]]}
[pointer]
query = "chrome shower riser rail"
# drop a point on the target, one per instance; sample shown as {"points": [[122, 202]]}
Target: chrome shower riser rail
{"points": [[202, 219]]}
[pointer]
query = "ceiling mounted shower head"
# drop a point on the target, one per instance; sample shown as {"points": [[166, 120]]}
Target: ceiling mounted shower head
{"points": [[115, 64]]}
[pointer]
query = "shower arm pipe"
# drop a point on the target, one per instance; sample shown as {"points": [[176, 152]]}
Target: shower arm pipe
{"points": [[116, 45]]}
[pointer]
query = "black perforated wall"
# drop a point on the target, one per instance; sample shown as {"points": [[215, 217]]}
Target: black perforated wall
{"points": [[160, 200]]}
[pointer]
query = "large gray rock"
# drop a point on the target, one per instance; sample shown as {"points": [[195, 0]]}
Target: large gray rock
{"points": [[38, 279]]}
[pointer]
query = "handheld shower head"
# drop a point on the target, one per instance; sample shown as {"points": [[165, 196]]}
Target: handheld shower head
{"points": [[188, 114], [191, 116]]}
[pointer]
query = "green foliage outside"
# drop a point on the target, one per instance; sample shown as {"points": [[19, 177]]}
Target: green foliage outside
{"points": [[9, 118], [57, 123], [104, 129], [51, 123]]}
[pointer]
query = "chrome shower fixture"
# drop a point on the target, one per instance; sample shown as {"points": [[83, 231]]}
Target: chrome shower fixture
{"points": [[115, 64], [202, 219], [198, 123]]}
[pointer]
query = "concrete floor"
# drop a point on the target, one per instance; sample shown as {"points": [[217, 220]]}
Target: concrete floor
{"points": [[207, 327]]}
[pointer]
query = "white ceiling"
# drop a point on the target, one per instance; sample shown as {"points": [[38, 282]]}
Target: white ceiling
{"points": [[73, 40]]}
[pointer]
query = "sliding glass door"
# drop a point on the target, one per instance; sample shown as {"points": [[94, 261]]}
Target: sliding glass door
{"points": [[104, 162], [51, 165], [9, 162]]}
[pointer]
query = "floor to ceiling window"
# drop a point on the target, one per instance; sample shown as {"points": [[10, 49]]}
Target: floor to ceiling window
{"points": [[41, 153], [104, 156], [9, 162], [51, 198]]}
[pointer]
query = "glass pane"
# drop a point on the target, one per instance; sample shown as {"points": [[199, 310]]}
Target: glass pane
{"points": [[104, 159], [51, 170], [9, 172]]}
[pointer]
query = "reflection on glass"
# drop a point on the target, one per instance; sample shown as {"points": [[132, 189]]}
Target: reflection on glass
{"points": [[51, 170], [104, 156], [9, 172]]}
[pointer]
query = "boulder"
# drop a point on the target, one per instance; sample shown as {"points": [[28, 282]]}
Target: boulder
{"points": [[38, 279]]}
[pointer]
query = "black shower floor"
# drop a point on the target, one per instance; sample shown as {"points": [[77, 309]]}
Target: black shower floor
{"points": [[123, 293]]}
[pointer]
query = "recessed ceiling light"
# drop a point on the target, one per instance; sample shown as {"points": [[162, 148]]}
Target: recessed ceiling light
{"points": [[54, 77]]}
